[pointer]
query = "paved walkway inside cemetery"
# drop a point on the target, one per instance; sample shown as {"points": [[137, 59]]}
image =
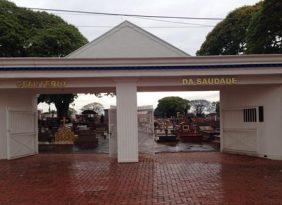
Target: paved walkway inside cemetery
{"points": [[168, 178]]}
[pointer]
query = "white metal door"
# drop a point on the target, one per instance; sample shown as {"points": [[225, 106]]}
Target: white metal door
{"points": [[237, 134], [21, 134]]}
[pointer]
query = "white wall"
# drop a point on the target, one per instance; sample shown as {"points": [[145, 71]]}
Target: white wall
{"points": [[16, 100], [269, 138], [233, 99]]}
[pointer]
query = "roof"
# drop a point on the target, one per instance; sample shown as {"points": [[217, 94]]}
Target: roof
{"points": [[207, 62], [127, 40]]}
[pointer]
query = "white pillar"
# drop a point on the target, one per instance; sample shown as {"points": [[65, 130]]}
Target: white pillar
{"points": [[127, 127]]}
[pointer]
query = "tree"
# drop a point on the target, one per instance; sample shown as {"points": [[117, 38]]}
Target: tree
{"points": [[61, 101], [215, 108], [102, 119], [229, 36], [97, 107], [265, 30], [72, 111], [25, 33], [170, 106], [199, 107]]}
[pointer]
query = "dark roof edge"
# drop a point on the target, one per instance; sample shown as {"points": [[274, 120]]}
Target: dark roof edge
{"points": [[161, 67]]}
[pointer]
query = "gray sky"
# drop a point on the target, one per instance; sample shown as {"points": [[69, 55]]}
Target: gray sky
{"points": [[188, 38]]}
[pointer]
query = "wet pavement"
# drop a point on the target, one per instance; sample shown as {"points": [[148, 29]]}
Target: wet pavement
{"points": [[102, 148], [183, 147], [210, 178], [147, 145]]}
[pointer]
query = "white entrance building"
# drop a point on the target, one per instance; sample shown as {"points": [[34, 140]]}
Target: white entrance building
{"points": [[128, 59]]}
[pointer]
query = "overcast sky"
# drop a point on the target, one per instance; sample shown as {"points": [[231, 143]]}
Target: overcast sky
{"points": [[184, 36]]}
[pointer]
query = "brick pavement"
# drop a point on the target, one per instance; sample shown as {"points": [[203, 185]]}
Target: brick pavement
{"points": [[173, 178]]}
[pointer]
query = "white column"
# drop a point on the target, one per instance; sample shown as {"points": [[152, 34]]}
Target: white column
{"points": [[127, 127]]}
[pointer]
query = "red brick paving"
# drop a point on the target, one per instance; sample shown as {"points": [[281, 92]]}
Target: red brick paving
{"points": [[174, 178]]}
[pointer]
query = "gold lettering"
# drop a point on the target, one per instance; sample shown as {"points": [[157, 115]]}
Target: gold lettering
{"points": [[191, 81], [53, 84], [19, 84], [210, 81], [216, 81], [48, 84], [222, 81], [64, 84], [234, 81], [41, 84], [25, 84], [228, 81], [199, 81]]}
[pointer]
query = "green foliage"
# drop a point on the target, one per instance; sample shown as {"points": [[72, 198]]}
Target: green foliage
{"points": [[25, 33], [58, 41], [247, 30], [229, 36], [170, 106], [265, 31]]}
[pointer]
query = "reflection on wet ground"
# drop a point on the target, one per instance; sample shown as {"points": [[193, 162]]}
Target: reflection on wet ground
{"points": [[102, 148], [146, 145], [183, 147]]}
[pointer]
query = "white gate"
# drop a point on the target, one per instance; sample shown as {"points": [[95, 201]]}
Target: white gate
{"points": [[21, 134], [112, 117], [146, 129], [238, 135]]}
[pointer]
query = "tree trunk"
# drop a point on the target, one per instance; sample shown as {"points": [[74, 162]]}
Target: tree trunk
{"points": [[62, 109]]}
